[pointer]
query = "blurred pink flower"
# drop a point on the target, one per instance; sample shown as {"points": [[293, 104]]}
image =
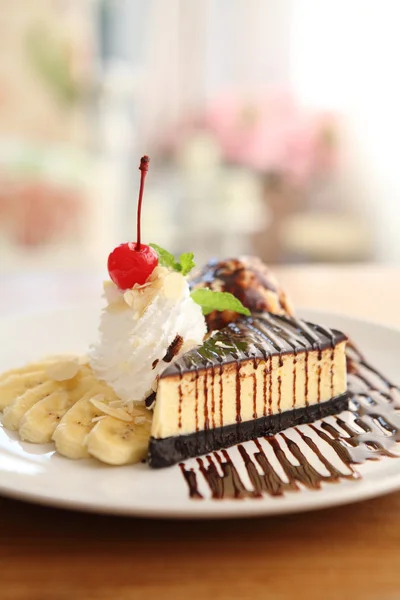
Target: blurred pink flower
{"points": [[272, 133], [34, 213]]}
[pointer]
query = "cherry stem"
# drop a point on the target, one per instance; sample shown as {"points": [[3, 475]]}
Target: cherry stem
{"points": [[143, 167]]}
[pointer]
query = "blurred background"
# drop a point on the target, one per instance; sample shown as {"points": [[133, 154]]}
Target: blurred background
{"points": [[272, 126]]}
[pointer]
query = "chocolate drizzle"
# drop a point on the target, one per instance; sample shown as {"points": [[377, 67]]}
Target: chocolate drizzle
{"points": [[213, 396], [205, 389], [270, 387], [319, 370], [306, 378], [180, 401], [254, 338], [196, 401], [265, 372], [331, 369], [369, 430], [254, 395], [221, 396], [191, 480], [238, 391]]}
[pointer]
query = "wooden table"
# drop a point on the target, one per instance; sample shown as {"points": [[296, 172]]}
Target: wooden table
{"points": [[344, 553]]}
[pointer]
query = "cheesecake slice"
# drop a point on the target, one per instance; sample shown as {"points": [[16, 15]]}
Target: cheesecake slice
{"points": [[255, 377]]}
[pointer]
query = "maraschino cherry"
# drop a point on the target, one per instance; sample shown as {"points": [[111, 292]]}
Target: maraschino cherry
{"points": [[132, 263]]}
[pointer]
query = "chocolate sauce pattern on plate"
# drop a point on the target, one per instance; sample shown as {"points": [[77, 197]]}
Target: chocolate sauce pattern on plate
{"points": [[368, 431]]}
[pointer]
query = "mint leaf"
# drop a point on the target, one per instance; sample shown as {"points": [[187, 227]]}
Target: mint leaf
{"points": [[165, 258], [187, 262], [210, 300]]}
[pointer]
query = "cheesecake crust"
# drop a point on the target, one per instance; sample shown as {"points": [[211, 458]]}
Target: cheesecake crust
{"points": [[169, 451]]}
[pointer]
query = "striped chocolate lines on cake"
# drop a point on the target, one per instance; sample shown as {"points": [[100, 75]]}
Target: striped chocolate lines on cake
{"points": [[275, 371]]}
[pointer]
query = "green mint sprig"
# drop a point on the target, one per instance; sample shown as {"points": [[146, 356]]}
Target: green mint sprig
{"points": [[209, 300], [166, 259]]}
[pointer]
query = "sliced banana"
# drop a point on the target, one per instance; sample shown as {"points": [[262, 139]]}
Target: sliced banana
{"points": [[118, 442], [60, 399], [38, 366], [71, 432], [37, 425], [16, 385], [15, 411], [40, 421]]}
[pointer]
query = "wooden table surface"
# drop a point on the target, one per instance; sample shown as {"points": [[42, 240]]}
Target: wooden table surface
{"points": [[343, 553]]}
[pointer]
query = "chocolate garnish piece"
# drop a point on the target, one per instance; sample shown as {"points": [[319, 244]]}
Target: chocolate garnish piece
{"points": [[150, 400], [173, 349]]}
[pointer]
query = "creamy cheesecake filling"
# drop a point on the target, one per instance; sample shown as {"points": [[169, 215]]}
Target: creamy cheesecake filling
{"points": [[242, 391]]}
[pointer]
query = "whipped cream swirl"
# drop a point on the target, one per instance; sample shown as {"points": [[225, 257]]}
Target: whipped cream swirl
{"points": [[142, 330]]}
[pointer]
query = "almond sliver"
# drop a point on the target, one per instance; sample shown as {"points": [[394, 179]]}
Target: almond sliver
{"points": [[118, 413]]}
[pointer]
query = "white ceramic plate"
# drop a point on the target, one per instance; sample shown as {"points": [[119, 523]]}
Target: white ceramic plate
{"points": [[36, 473]]}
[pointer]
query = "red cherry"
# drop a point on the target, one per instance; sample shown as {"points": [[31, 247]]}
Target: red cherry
{"points": [[133, 263], [128, 265]]}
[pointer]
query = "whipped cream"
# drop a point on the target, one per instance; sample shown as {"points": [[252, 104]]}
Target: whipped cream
{"points": [[137, 329]]}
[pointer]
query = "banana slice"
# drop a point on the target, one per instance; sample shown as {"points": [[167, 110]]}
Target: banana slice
{"points": [[38, 366], [117, 442], [38, 424], [40, 421], [15, 385], [15, 411], [71, 432]]}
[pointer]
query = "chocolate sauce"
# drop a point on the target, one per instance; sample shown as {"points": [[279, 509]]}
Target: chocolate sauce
{"points": [[213, 396], [319, 370], [269, 481], [221, 396], [270, 387], [238, 392], [304, 472], [254, 396], [372, 411], [191, 480], [279, 393], [265, 372], [233, 484], [332, 370], [180, 401], [205, 391], [196, 400], [335, 442], [212, 477], [306, 379], [227, 485], [333, 471]]}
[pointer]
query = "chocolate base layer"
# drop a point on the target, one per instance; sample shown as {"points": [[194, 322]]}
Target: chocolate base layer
{"points": [[169, 451]]}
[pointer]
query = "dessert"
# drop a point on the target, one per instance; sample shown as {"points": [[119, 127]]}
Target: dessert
{"points": [[182, 366], [249, 280], [255, 377]]}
